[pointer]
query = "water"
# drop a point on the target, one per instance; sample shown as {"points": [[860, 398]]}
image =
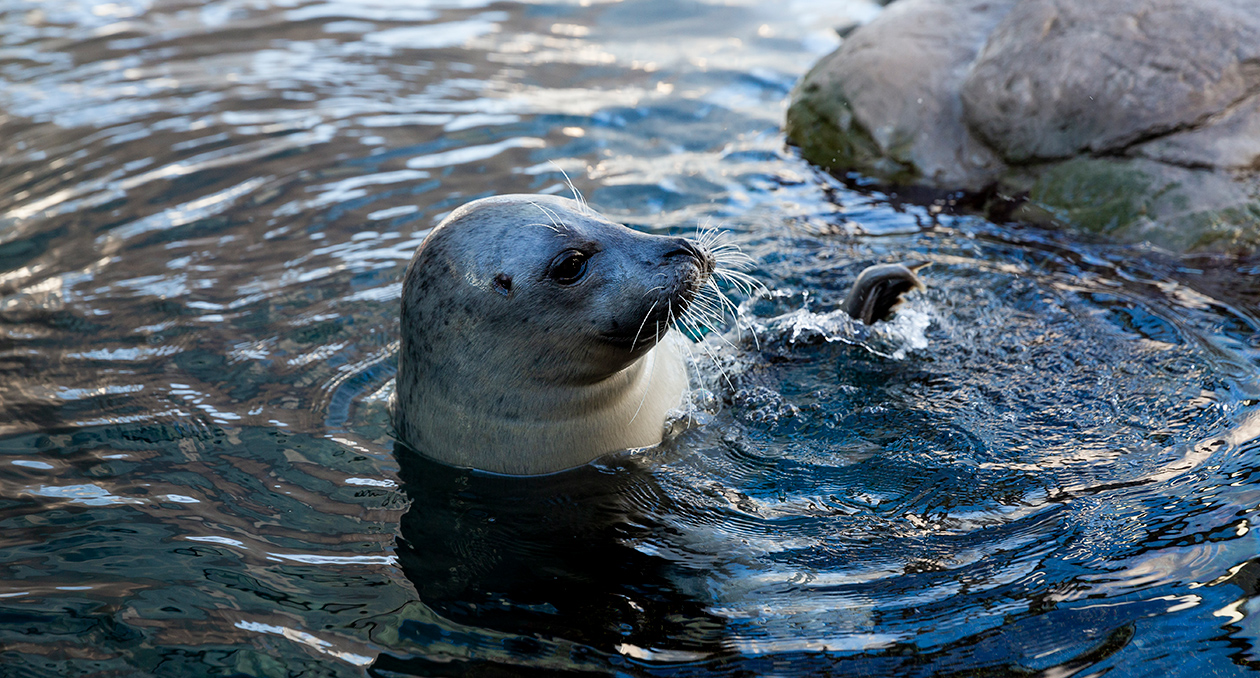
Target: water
{"points": [[1044, 466]]}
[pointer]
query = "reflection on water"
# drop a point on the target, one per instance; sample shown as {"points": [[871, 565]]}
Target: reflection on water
{"points": [[1043, 465], [531, 570]]}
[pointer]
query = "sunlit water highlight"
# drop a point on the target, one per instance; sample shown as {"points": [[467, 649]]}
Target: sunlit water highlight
{"points": [[1043, 465]]}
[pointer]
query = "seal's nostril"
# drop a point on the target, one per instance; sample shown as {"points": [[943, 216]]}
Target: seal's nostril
{"points": [[686, 248]]}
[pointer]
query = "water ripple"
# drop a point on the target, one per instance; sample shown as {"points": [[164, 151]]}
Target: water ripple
{"points": [[1044, 464]]}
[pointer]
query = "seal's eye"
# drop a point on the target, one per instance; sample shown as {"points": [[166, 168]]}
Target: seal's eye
{"points": [[503, 283], [569, 267]]}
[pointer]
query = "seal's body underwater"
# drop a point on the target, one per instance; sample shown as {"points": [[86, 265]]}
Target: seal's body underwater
{"points": [[531, 335]]}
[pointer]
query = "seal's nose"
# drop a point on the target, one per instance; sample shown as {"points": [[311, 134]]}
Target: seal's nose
{"points": [[684, 247]]}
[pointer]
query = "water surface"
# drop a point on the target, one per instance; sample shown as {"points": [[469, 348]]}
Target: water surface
{"points": [[1043, 466]]}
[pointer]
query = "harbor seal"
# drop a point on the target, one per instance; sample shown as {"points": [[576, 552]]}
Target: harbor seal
{"points": [[535, 335]]}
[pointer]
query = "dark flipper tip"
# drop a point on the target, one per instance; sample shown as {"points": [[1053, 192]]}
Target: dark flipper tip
{"points": [[878, 290]]}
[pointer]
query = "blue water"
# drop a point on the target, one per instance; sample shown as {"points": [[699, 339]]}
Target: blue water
{"points": [[1043, 466]]}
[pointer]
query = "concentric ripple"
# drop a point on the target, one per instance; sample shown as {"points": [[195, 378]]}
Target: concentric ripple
{"points": [[1043, 464]]}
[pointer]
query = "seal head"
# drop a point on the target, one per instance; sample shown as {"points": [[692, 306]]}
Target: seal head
{"points": [[536, 335]]}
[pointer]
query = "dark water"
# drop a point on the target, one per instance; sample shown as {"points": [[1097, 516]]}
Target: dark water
{"points": [[1043, 467]]}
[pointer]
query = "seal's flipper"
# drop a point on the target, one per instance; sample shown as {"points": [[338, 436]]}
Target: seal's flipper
{"points": [[878, 290]]}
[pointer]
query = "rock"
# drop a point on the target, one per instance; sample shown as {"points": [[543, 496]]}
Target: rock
{"points": [[1132, 200], [1061, 77], [1230, 139], [887, 103], [1138, 119]]}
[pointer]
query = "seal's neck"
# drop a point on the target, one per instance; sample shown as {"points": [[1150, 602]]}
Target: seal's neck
{"points": [[541, 428]]}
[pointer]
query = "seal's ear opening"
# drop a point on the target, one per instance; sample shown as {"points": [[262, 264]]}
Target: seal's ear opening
{"points": [[503, 283]]}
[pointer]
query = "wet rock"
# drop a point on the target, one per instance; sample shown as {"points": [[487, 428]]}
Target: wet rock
{"points": [[1137, 119], [887, 101]]}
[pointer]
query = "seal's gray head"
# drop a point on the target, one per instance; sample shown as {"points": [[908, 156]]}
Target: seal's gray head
{"points": [[529, 331]]}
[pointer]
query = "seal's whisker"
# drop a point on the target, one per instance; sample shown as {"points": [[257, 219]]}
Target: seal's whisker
{"points": [[560, 227], [704, 299], [551, 214], [546, 226], [712, 293], [732, 259], [718, 310], [669, 319], [704, 233], [647, 389], [710, 296], [733, 267], [711, 304], [736, 276], [577, 195], [740, 323], [722, 338], [669, 322], [551, 226], [708, 313], [546, 212], [642, 324], [704, 347], [555, 219], [726, 253], [707, 317]]}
